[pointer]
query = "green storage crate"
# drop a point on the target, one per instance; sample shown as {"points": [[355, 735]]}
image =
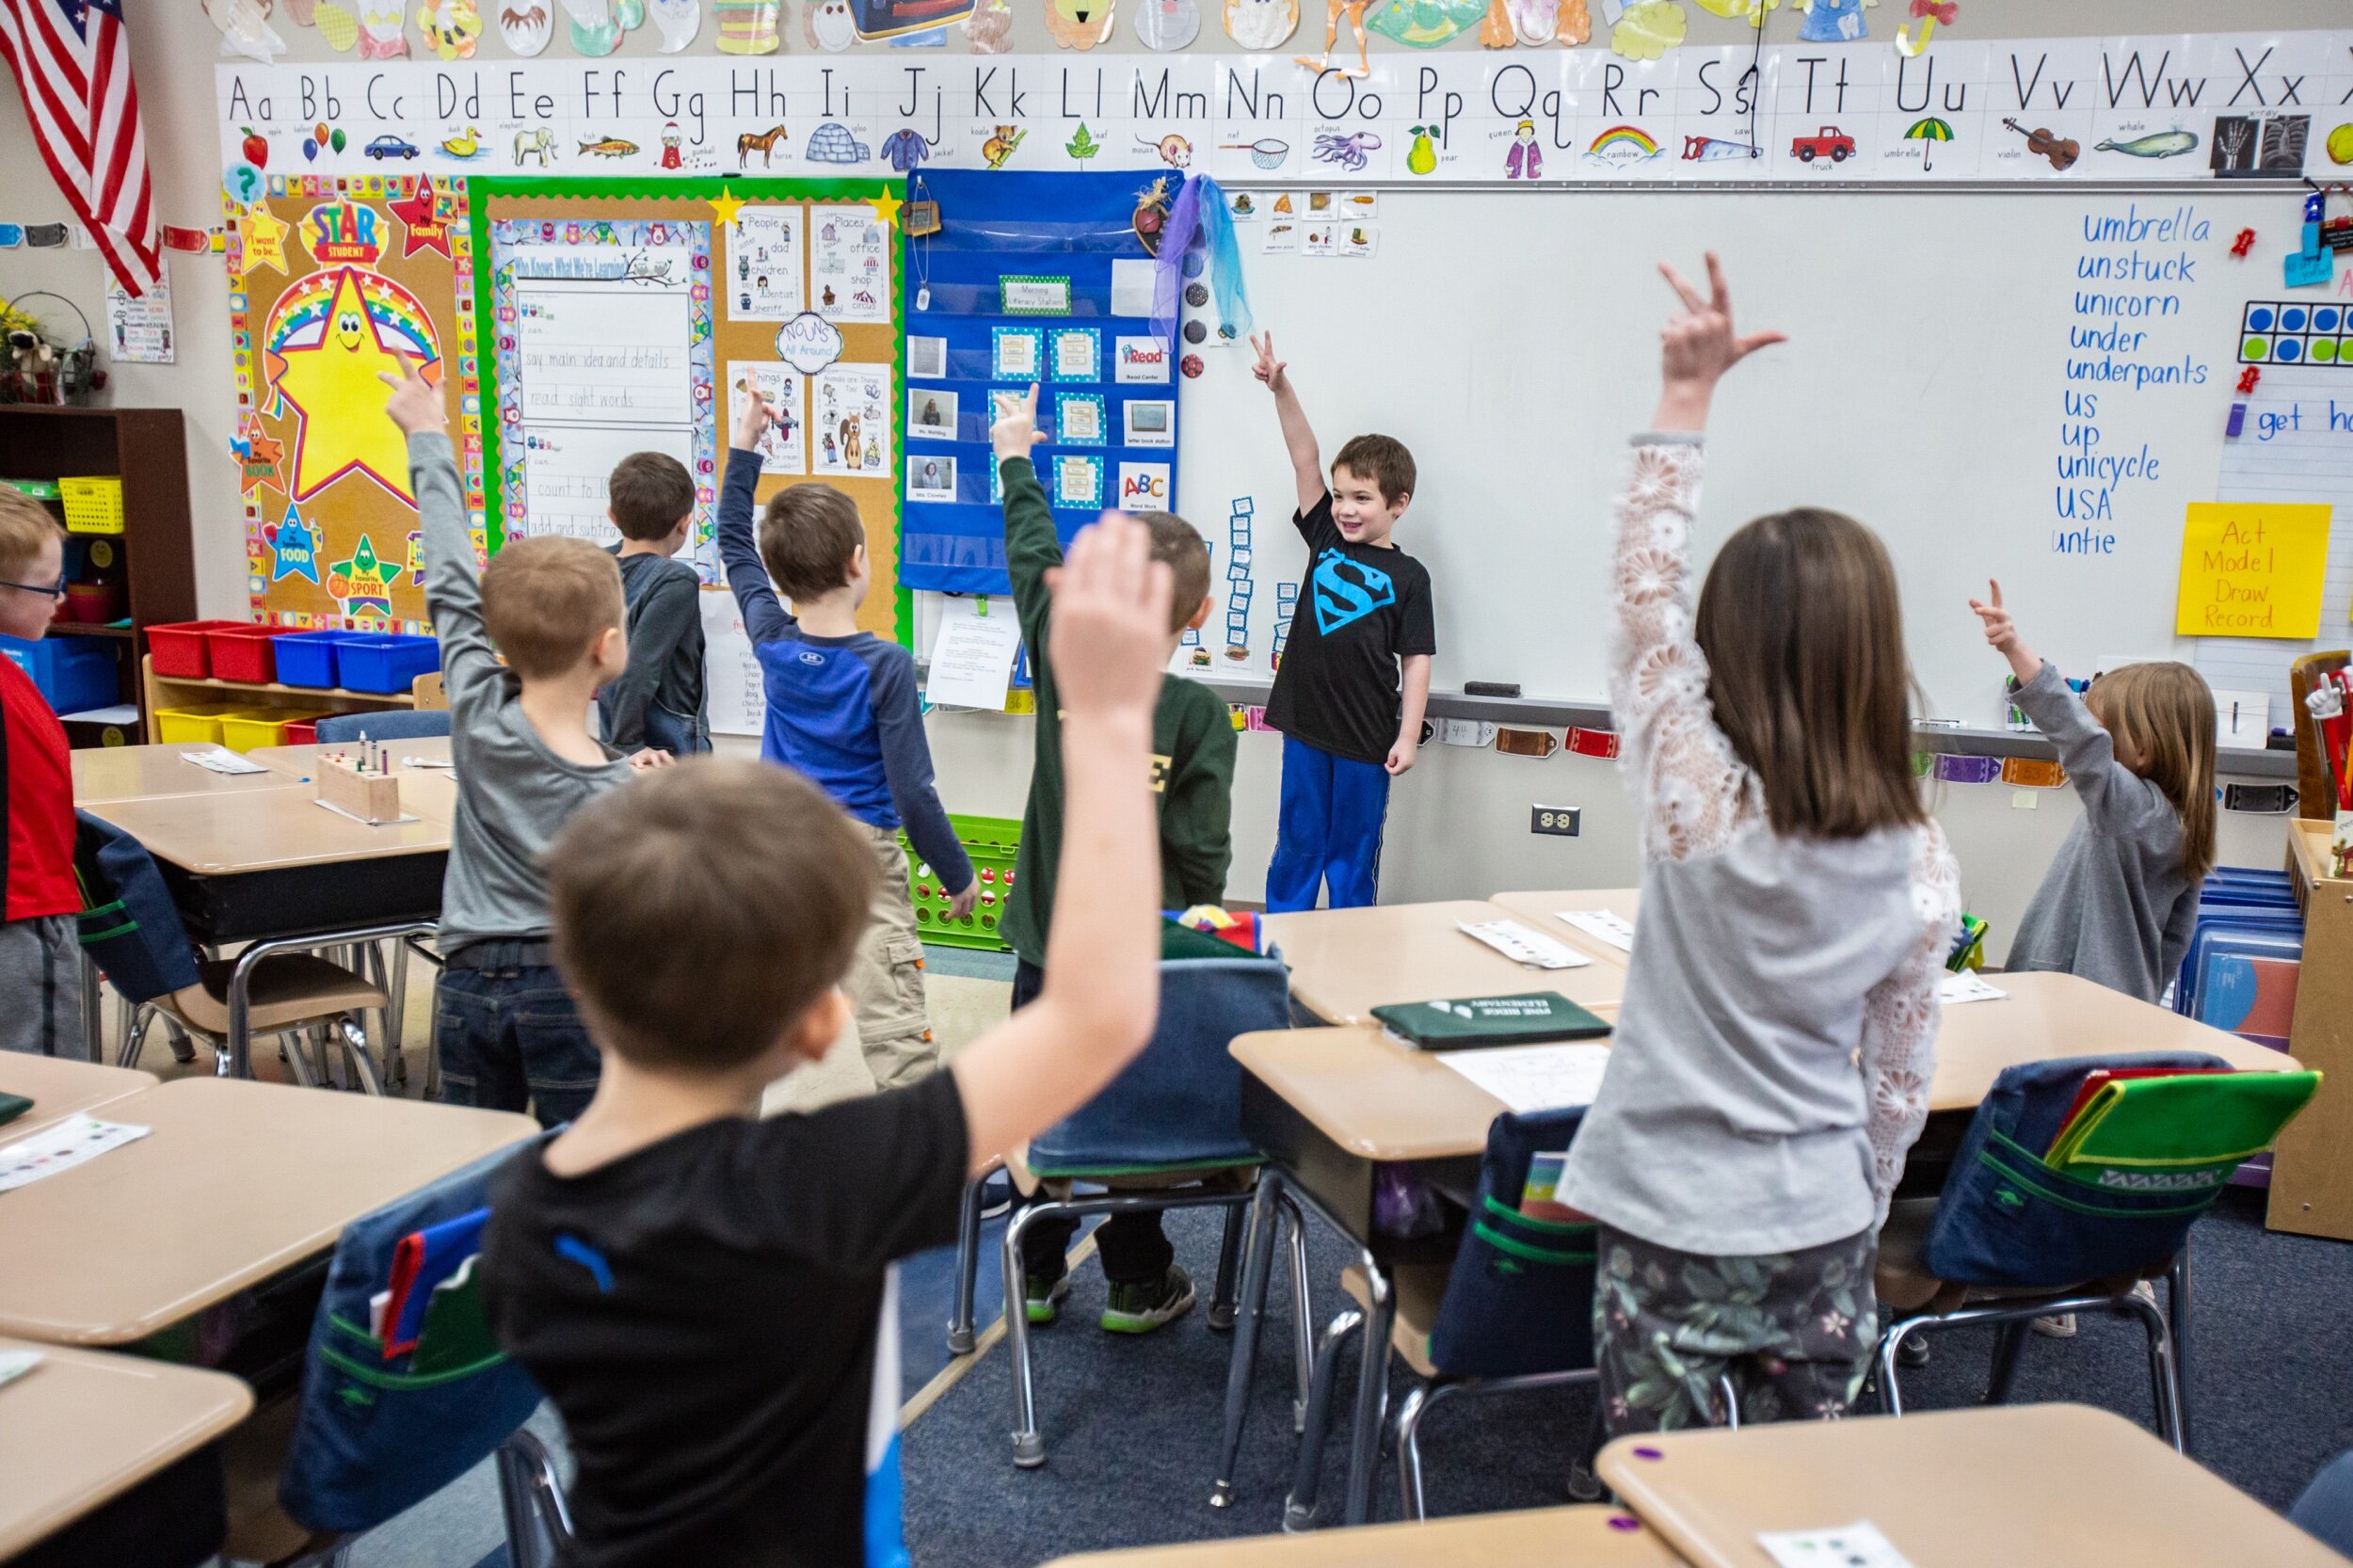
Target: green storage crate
{"points": [[991, 843]]}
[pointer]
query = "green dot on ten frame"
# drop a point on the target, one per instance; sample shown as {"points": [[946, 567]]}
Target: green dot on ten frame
{"points": [[2255, 348]]}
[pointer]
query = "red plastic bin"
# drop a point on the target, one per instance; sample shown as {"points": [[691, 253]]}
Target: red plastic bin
{"points": [[303, 732], [178, 647], [242, 652]]}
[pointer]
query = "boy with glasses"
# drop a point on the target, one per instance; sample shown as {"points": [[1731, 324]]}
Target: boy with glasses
{"points": [[40, 958]]}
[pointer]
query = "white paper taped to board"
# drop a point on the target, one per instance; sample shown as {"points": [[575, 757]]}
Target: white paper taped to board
{"points": [[972, 656], [734, 694]]}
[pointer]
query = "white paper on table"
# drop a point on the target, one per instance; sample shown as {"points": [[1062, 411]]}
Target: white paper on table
{"points": [[1954, 989], [15, 1364], [1523, 946], [972, 656], [1856, 1546], [1132, 283], [1602, 926], [1534, 1077], [222, 760], [62, 1147]]}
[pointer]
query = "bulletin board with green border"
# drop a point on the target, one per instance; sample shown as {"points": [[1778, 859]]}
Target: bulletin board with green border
{"points": [[583, 203]]}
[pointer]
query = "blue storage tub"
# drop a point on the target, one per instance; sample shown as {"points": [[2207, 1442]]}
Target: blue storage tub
{"points": [[388, 664], [307, 658], [74, 674]]}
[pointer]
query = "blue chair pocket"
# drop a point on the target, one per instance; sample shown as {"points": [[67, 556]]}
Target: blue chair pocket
{"points": [[1516, 1300], [2007, 1217]]}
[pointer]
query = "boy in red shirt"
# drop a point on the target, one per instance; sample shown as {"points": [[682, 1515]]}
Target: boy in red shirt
{"points": [[39, 956]]}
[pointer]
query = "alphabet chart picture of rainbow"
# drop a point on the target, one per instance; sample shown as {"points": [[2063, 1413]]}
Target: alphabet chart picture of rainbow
{"points": [[2288, 332]]}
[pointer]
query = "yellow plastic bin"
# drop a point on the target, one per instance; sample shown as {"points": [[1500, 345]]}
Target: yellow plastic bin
{"points": [[263, 727], [94, 504], [198, 723]]}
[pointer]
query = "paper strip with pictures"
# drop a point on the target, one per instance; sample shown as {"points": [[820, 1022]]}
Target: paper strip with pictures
{"points": [[1013, 248]]}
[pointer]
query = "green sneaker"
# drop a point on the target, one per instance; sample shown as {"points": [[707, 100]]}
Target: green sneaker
{"points": [[1043, 1296], [1142, 1308]]}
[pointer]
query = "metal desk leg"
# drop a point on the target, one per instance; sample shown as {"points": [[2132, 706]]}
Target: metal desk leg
{"points": [[93, 1027], [2177, 1291], [1257, 1260], [1299, 1509], [1372, 1393]]}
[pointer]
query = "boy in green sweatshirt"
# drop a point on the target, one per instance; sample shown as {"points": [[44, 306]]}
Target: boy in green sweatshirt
{"points": [[1193, 785]]}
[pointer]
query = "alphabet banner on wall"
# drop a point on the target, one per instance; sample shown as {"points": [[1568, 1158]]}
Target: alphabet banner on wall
{"points": [[331, 283], [2224, 105]]}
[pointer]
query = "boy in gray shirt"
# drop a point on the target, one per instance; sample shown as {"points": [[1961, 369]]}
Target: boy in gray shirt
{"points": [[503, 1023]]}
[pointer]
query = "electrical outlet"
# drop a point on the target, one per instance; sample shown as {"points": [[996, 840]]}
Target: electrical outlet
{"points": [[1559, 820]]}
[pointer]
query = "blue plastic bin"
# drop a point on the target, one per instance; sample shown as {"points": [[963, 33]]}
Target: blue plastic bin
{"points": [[76, 674], [307, 658], [388, 664]]}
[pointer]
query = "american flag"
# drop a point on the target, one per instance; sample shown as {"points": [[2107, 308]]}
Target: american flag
{"points": [[73, 62]]}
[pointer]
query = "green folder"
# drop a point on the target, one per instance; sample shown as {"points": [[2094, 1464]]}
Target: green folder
{"points": [[455, 1333], [1527, 1018], [2159, 1133], [14, 1106]]}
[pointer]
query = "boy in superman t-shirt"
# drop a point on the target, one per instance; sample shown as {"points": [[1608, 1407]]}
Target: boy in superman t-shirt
{"points": [[1355, 673]]}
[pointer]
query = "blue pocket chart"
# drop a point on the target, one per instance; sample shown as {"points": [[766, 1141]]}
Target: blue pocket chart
{"points": [[1090, 364]]}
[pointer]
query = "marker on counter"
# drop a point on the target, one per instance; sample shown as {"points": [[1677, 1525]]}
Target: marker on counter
{"points": [[1490, 688]]}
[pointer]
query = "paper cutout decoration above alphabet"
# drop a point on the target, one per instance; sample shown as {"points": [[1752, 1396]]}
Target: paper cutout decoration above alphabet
{"points": [[1164, 24], [1647, 30], [593, 31], [1259, 25], [450, 26], [678, 22], [827, 25], [383, 30], [1079, 23], [526, 26]]}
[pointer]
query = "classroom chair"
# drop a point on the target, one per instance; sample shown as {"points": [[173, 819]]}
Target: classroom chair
{"points": [[2013, 1237], [531, 1500], [2325, 1509], [1168, 1129], [1511, 1314], [366, 1437], [385, 723]]}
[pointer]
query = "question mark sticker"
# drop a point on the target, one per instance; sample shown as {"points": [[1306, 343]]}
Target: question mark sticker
{"points": [[244, 182]]}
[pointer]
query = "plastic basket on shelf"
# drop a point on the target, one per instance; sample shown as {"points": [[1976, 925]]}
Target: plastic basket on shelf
{"points": [[179, 649], [92, 504], [242, 653], [74, 673], [387, 664], [307, 658], [992, 843], [267, 727], [198, 723]]}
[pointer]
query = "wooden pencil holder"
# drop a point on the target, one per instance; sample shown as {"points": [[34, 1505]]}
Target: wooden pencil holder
{"points": [[371, 797]]}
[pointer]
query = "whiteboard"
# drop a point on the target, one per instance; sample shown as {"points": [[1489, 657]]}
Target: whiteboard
{"points": [[1951, 355]]}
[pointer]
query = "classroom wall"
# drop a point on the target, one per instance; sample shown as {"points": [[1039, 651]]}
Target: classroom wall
{"points": [[1459, 824]]}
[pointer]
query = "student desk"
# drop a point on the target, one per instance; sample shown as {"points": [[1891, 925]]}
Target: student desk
{"points": [[1542, 911], [138, 1239], [1329, 1106], [59, 1088], [428, 792], [104, 774], [276, 870], [2051, 1483], [1588, 1537], [83, 1430], [1347, 962]]}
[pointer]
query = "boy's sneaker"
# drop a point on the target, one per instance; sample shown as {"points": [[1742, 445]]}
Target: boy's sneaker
{"points": [[2059, 1327], [1043, 1296], [1135, 1309]]}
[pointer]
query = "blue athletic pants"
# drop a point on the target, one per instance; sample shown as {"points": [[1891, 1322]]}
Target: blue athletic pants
{"points": [[1329, 832]]}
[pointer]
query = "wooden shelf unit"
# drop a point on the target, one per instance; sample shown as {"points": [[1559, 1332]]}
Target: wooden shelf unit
{"points": [[2312, 1171], [147, 448], [175, 691]]}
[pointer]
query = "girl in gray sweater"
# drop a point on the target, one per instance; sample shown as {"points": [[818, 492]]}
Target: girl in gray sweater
{"points": [[1773, 1054], [2119, 902]]}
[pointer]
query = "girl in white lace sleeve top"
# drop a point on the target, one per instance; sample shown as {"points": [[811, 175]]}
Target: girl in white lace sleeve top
{"points": [[1772, 1057]]}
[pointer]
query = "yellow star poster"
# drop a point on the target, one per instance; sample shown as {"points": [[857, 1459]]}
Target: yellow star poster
{"points": [[325, 298]]}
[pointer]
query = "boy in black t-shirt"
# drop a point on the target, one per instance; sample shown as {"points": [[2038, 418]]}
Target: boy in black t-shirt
{"points": [[1355, 679], [707, 1297]]}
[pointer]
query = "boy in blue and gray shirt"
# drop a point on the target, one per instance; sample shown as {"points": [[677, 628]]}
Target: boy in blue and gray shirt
{"points": [[842, 711]]}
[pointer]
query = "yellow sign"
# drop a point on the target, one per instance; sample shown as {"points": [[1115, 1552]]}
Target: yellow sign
{"points": [[2251, 568]]}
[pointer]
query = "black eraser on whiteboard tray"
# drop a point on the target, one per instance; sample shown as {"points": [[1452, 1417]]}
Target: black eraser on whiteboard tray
{"points": [[1490, 688]]}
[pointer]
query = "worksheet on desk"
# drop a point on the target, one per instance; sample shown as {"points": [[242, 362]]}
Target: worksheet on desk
{"points": [[1535, 1078]]}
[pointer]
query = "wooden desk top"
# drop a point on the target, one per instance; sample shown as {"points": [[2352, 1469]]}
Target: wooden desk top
{"points": [[1379, 1100], [59, 1088], [109, 773], [1542, 911], [1590, 1536], [83, 1427], [221, 835], [110, 1251], [1347, 962], [430, 793], [2053, 1483]]}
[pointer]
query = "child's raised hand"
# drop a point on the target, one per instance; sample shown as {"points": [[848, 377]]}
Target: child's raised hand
{"points": [[2000, 630], [1110, 636], [1698, 346], [1015, 429], [1269, 369], [415, 404], [753, 422]]}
